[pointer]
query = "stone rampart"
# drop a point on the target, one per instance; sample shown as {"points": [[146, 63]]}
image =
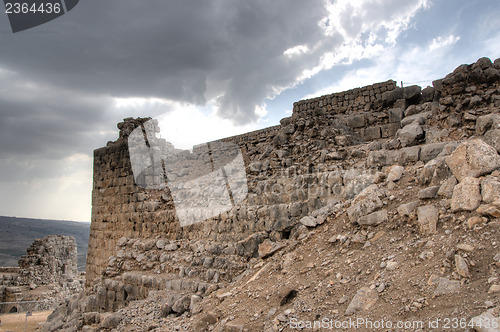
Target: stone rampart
{"points": [[315, 159]]}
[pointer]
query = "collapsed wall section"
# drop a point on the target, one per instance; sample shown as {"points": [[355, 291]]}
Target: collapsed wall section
{"points": [[47, 273]]}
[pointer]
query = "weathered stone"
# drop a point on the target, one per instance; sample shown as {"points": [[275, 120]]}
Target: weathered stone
{"points": [[356, 121], [372, 133], [391, 265], [111, 321], [308, 221], [446, 189], [170, 247], [461, 266], [280, 139], [492, 75], [405, 210], [411, 110], [194, 306], [289, 129], [160, 244], [204, 322], [427, 219], [182, 304], [492, 137], [428, 193], [410, 93], [255, 166], [472, 159], [473, 221], [364, 299], [365, 202], [486, 122], [373, 219], [490, 189], [420, 118], [431, 151], [395, 115], [390, 129], [434, 172], [446, 286], [466, 195], [395, 173], [411, 134], [268, 248], [408, 155], [122, 241], [428, 94], [489, 210]]}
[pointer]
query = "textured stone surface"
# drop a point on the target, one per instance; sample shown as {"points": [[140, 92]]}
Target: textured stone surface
{"points": [[364, 299], [411, 134], [472, 159], [395, 173], [365, 203], [466, 195], [47, 271], [427, 219]]}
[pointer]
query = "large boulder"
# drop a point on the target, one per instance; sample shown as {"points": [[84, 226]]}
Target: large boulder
{"points": [[466, 195], [472, 159]]}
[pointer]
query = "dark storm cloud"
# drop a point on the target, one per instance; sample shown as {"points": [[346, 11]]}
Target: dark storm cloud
{"points": [[170, 49]]}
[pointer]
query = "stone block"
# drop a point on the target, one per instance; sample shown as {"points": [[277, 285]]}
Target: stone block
{"points": [[411, 134], [395, 115], [472, 159], [356, 121], [431, 151], [371, 133], [390, 130], [466, 195], [427, 219]]}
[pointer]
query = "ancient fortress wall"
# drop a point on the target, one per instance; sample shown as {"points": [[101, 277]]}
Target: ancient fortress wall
{"points": [[308, 162], [48, 271]]}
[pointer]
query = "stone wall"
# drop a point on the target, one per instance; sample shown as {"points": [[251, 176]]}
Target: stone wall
{"points": [[355, 100], [314, 159], [48, 271]]}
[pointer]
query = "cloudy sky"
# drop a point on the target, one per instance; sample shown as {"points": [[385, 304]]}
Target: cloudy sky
{"points": [[206, 69]]}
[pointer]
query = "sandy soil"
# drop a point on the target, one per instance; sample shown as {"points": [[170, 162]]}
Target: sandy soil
{"points": [[16, 322]]}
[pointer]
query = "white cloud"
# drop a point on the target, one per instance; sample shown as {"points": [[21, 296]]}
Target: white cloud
{"points": [[62, 195], [414, 65], [441, 41], [296, 50]]}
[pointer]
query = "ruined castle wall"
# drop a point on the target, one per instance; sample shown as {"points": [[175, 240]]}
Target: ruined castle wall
{"points": [[355, 100], [307, 162], [48, 271], [123, 209]]}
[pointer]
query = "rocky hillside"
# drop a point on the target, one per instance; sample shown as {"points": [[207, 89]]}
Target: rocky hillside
{"points": [[408, 240]]}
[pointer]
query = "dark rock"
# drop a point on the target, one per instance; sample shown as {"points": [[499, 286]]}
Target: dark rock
{"points": [[411, 134]]}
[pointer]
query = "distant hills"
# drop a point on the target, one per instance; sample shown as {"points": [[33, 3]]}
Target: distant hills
{"points": [[17, 234]]}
